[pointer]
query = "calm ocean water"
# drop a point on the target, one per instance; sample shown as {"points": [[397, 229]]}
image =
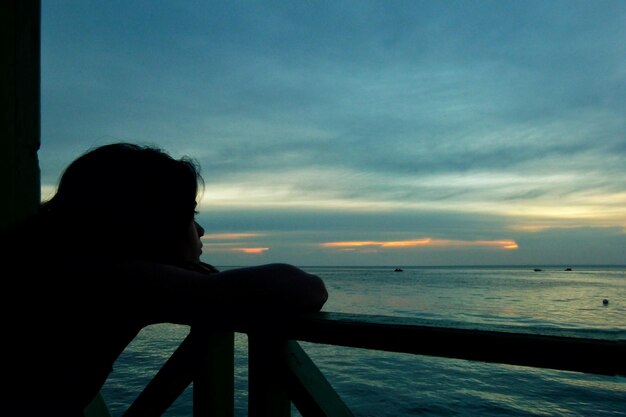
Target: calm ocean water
{"points": [[381, 384]]}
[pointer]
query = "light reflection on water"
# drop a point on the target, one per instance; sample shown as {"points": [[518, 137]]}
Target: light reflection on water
{"points": [[390, 384], [553, 297]]}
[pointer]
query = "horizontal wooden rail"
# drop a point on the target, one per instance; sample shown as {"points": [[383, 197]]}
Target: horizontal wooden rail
{"points": [[280, 372], [571, 351]]}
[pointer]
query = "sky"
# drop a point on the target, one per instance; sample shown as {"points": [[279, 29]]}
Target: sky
{"points": [[360, 132]]}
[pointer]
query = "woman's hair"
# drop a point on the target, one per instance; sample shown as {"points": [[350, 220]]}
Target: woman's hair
{"points": [[125, 200]]}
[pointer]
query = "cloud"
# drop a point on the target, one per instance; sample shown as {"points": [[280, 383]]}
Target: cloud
{"points": [[213, 248], [229, 236], [579, 198], [230, 242], [250, 250], [502, 244], [344, 121]]}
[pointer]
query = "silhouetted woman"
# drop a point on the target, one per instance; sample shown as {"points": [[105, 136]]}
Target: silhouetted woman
{"points": [[117, 248]]}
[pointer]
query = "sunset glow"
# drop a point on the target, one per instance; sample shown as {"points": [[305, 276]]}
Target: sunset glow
{"points": [[250, 250], [502, 244]]}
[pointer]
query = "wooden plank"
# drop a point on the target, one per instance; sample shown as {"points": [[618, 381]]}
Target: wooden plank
{"points": [[307, 387], [266, 394], [167, 385], [570, 353], [97, 408], [213, 373], [205, 358], [20, 103]]}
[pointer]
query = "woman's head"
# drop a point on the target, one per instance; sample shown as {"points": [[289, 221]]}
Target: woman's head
{"points": [[134, 201]]}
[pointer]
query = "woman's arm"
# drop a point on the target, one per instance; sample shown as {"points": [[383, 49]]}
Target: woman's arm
{"points": [[173, 294], [275, 287]]}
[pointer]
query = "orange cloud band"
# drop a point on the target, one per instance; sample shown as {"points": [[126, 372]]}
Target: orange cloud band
{"points": [[228, 247], [504, 244], [250, 250]]}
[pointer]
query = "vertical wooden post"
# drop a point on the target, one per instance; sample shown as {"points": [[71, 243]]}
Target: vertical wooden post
{"points": [[205, 358], [308, 388], [267, 361], [20, 109], [213, 373]]}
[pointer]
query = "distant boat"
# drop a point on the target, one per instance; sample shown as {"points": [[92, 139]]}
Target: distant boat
{"points": [[397, 270], [537, 270], [568, 269]]}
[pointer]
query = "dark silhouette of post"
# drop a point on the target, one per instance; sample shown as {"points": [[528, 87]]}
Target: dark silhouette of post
{"points": [[20, 103]]}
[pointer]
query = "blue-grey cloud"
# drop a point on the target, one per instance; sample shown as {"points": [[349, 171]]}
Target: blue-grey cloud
{"points": [[498, 114]]}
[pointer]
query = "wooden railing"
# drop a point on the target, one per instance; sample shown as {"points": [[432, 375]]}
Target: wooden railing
{"points": [[281, 373]]}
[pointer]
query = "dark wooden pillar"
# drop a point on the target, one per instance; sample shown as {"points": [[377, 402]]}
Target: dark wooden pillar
{"points": [[20, 184]]}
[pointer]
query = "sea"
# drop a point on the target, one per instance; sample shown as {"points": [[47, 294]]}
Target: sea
{"points": [[384, 384]]}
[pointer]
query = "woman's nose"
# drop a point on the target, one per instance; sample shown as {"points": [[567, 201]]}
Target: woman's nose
{"points": [[200, 229]]}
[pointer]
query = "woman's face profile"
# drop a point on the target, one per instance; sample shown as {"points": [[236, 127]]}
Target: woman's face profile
{"points": [[191, 245]]}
